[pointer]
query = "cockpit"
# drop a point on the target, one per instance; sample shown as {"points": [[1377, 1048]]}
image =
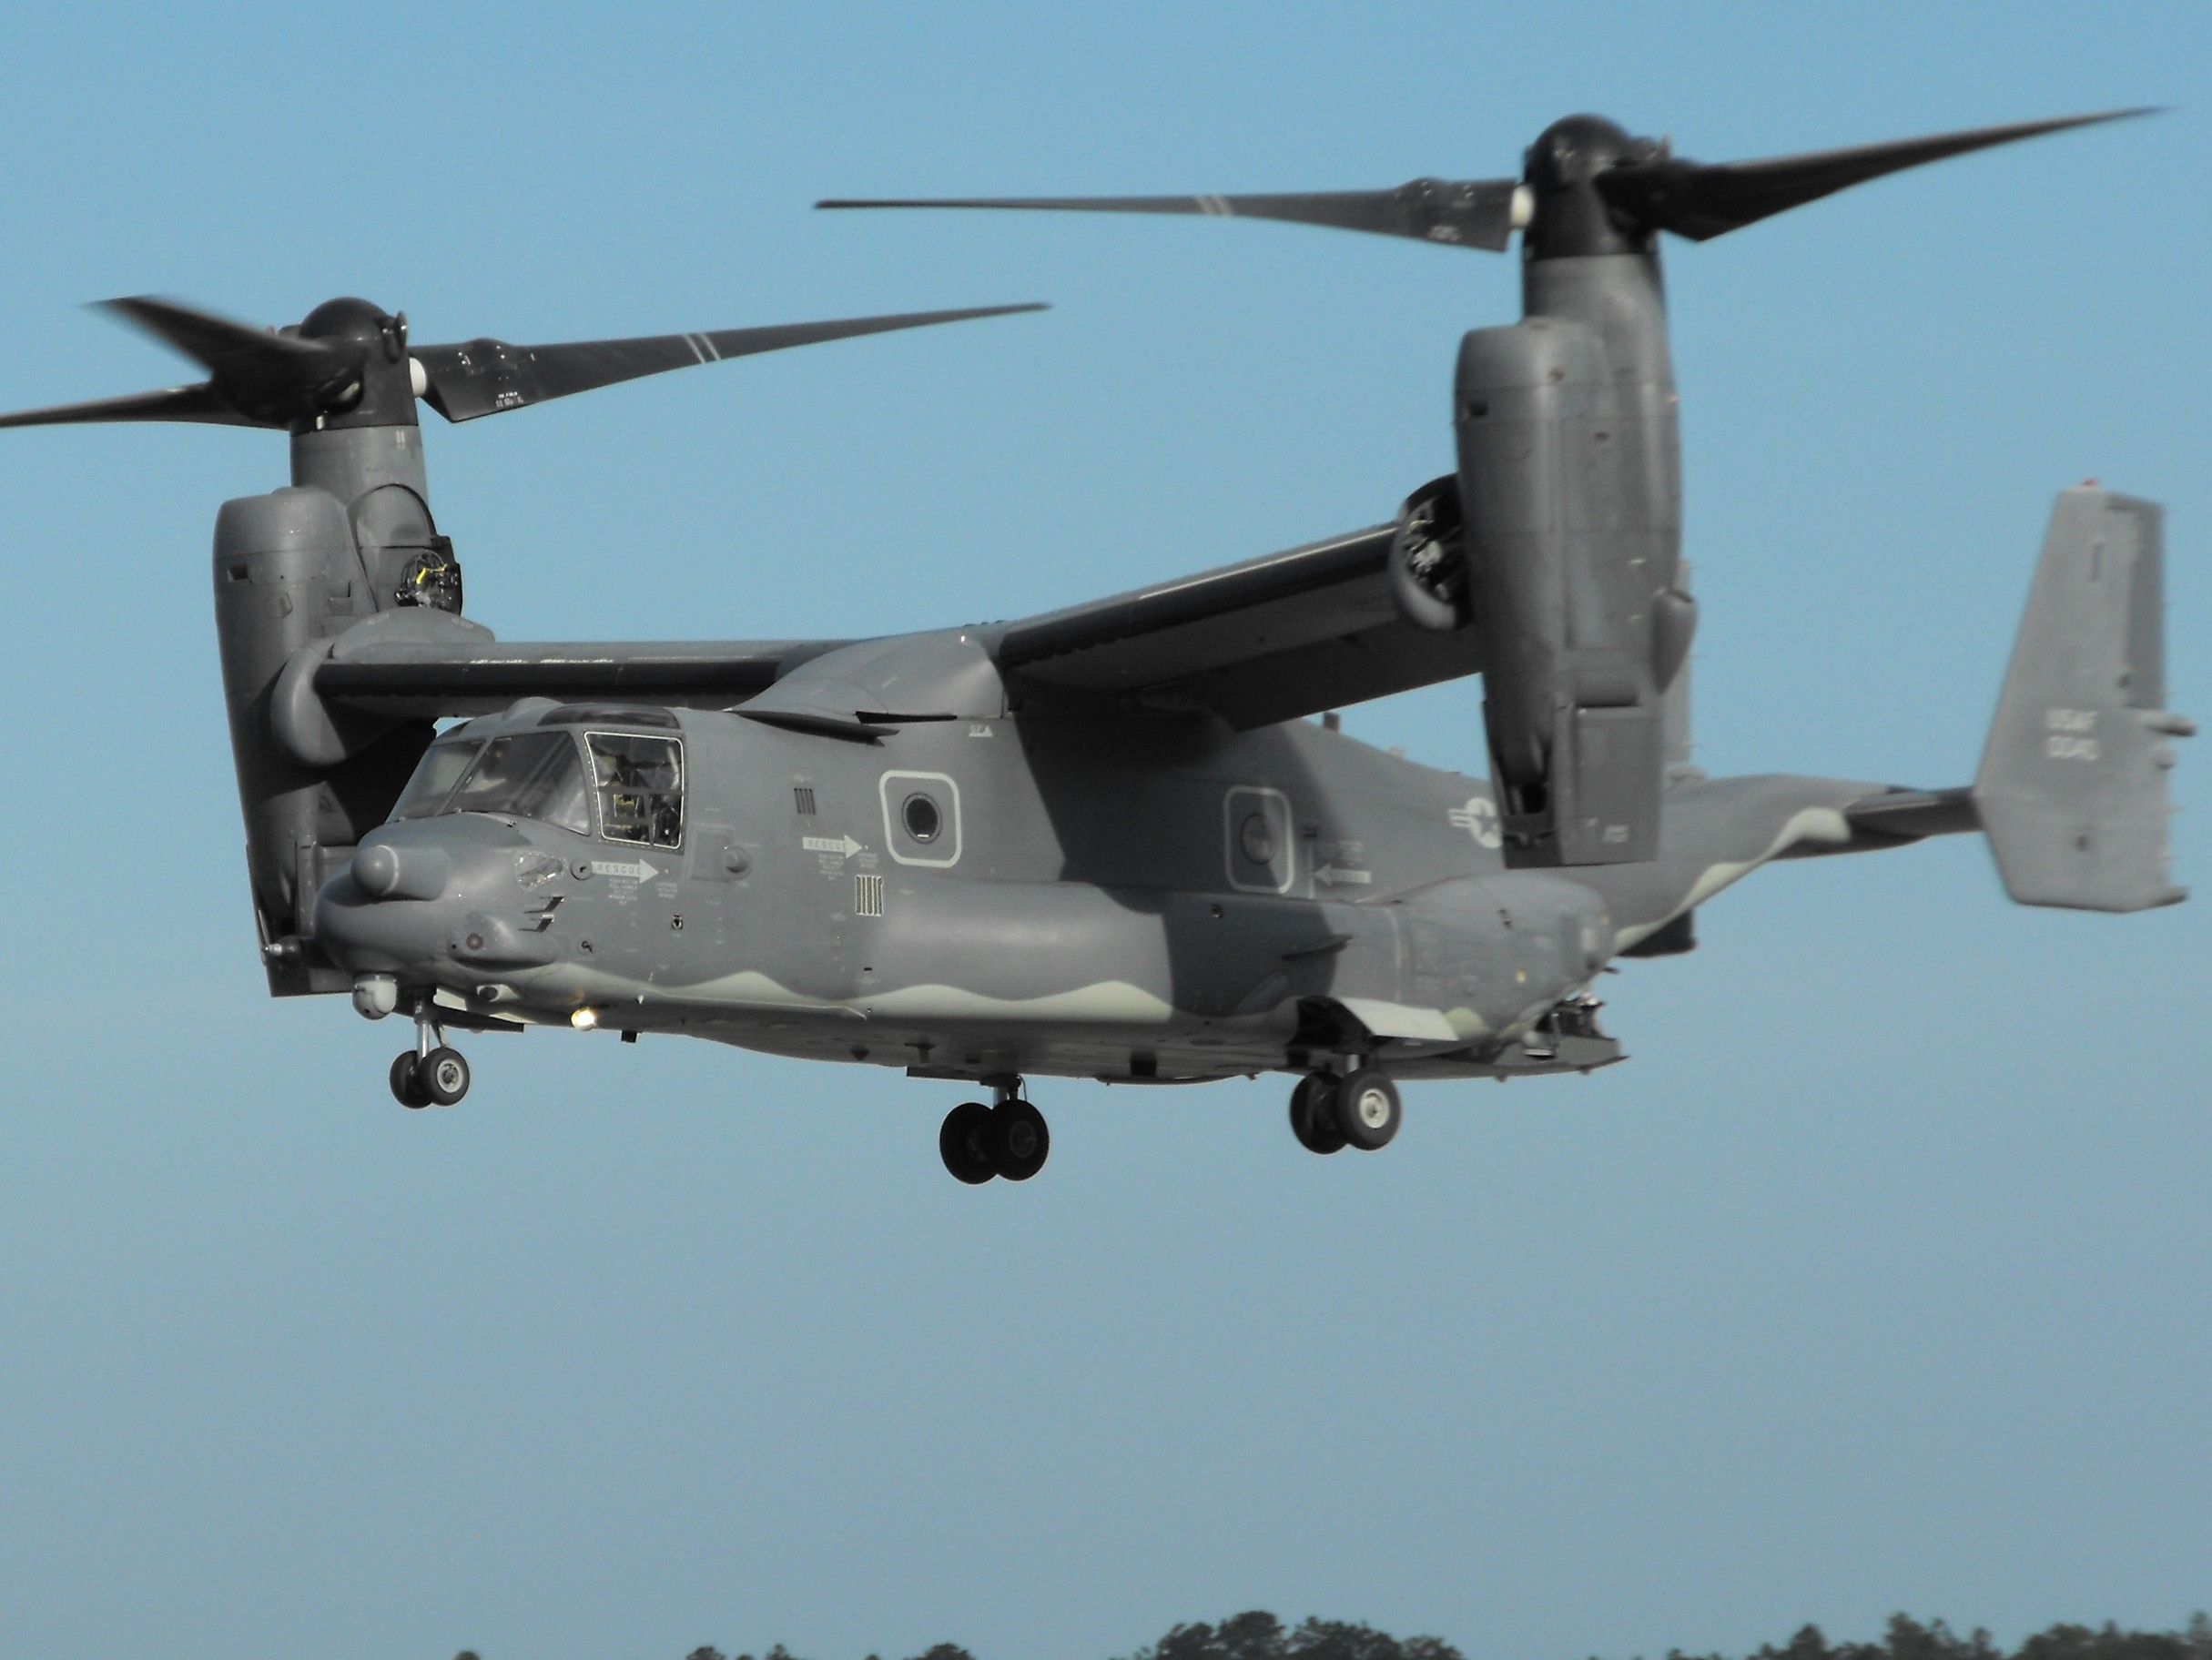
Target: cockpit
{"points": [[626, 786]]}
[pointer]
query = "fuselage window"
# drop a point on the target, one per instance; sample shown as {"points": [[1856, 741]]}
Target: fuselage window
{"points": [[640, 783], [923, 819]]}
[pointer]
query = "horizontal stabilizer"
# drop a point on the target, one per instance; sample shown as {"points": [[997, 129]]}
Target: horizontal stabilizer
{"points": [[1911, 815], [2073, 785]]}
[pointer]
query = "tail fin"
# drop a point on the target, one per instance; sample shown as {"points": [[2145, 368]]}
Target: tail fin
{"points": [[2073, 785]]}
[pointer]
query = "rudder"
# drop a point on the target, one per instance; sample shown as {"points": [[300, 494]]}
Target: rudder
{"points": [[2072, 790]]}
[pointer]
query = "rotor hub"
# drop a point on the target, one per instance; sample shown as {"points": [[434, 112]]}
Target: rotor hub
{"points": [[374, 387], [1562, 169]]}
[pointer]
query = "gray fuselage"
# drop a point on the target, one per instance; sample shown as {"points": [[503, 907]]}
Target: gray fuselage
{"points": [[1134, 899]]}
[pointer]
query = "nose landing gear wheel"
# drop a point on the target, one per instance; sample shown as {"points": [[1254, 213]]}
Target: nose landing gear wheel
{"points": [[1019, 1140], [1368, 1109], [438, 1079], [406, 1087], [965, 1143], [443, 1075], [1313, 1114]]}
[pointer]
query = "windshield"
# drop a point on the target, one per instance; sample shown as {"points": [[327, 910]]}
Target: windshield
{"points": [[536, 775], [435, 776]]}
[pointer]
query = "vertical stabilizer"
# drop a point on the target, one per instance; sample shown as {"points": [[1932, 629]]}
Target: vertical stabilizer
{"points": [[2073, 785]]}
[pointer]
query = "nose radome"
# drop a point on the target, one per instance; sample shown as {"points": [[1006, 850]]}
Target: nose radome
{"points": [[396, 907], [430, 858], [388, 870]]}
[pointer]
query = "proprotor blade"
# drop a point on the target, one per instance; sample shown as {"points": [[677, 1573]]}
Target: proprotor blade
{"points": [[1701, 201], [1468, 213], [269, 378], [486, 377], [202, 403]]}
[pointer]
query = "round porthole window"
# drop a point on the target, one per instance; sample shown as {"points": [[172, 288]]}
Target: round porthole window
{"points": [[1256, 836], [923, 821]]}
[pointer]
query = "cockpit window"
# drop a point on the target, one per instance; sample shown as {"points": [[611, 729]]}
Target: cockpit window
{"points": [[435, 776], [535, 775], [641, 788], [532, 775]]}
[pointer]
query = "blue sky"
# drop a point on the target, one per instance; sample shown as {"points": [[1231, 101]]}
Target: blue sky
{"points": [[1877, 1279]]}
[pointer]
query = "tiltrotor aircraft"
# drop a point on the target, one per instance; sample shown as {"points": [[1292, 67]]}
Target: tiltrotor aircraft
{"points": [[1106, 842]]}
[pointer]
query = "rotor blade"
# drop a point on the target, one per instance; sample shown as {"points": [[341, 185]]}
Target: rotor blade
{"points": [[202, 403], [1472, 213], [1700, 202], [266, 374], [487, 377]]}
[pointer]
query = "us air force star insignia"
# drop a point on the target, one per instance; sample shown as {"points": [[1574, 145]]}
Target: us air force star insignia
{"points": [[1479, 818]]}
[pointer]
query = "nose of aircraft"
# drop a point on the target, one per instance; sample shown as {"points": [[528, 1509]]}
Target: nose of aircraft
{"points": [[439, 900]]}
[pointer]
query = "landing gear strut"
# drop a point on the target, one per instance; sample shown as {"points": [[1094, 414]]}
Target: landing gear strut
{"points": [[431, 1074], [1359, 1109], [1008, 1140]]}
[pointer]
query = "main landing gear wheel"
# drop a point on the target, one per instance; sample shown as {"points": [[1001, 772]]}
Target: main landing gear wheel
{"points": [[967, 1144], [406, 1085], [1313, 1114], [1368, 1109], [979, 1142], [1019, 1142]]}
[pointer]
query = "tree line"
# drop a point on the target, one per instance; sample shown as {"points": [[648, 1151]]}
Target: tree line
{"points": [[1260, 1635]]}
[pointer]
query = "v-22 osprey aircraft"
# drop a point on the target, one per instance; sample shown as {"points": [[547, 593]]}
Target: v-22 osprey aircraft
{"points": [[1109, 842]]}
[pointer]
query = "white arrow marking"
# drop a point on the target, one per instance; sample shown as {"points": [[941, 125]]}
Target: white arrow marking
{"points": [[1333, 873], [843, 846], [638, 872]]}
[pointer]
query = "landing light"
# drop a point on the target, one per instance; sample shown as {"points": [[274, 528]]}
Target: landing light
{"points": [[584, 1019]]}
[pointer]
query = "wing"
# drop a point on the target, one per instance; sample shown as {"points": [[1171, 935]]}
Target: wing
{"points": [[1269, 640], [460, 675]]}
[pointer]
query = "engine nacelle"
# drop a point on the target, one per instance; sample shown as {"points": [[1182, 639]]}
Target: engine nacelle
{"points": [[1569, 552], [289, 572]]}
